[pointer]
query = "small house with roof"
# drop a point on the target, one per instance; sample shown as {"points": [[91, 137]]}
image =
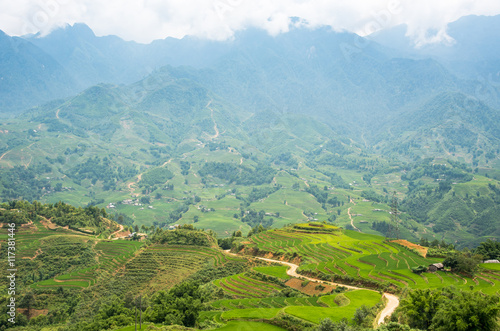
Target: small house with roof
{"points": [[436, 267]]}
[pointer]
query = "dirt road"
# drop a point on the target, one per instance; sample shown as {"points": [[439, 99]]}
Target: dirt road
{"points": [[392, 300], [352, 222], [118, 231], [390, 307], [216, 129]]}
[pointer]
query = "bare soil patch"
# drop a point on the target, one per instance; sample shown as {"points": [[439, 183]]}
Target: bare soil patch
{"points": [[310, 288], [420, 249]]}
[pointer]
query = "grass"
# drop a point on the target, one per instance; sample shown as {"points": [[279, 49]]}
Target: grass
{"points": [[132, 327], [245, 287], [251, 313], [275, 271], [249, 326], [491, 266], [336, 313]]}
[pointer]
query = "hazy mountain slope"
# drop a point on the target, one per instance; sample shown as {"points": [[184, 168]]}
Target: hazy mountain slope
{"points": [[316, 72], [28, 76], [472, 52], [92, 60], [450, 124]]}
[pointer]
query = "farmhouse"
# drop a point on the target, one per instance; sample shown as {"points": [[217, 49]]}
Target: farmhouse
{"points": [[436, 267], [491, 261], [173, 227]]}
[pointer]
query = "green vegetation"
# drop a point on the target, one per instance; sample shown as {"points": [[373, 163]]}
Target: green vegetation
{"points": [[249, 326], [183, 278], [275, 271], [316, 314], [449, 309], [155, 176]]}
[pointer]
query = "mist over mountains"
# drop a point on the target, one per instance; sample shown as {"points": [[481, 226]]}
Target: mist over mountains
{"points": [[320, 73]]}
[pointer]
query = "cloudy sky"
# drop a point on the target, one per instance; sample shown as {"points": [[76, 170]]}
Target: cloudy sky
{"points": [[146, 20]]}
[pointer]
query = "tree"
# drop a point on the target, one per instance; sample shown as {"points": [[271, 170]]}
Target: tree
{"points": [[361, 315], [465, 261], [28, 301], [468, 311], [394, 326], [489, 249], [420, 306], [326, 325]]}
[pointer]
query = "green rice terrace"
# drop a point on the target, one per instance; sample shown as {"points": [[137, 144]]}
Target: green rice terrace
{"points": [[293, 278], [354, 258]]}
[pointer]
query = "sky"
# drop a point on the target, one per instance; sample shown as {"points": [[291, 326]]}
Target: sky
{"points": [[147, 20]]}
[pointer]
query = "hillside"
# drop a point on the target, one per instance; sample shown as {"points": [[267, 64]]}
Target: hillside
{"points": [[176, 152], [95, 283]]}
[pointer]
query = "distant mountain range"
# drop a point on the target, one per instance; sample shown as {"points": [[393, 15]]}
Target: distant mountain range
{"points": [[317, 72]]}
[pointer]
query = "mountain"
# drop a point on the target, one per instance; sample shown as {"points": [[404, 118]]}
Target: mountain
{"points": [[299, 125], [332, 74], [90, 59], [29, 76], [450, 123], [471, 51]]}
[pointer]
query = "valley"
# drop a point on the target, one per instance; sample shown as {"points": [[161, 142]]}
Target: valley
{"points": [[261, 183]]}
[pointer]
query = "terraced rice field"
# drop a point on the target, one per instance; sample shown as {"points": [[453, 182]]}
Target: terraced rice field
{"points": [[362, 256], [275, 271], [159, 266], [249, 326], [156, 267], [243, 286], [336, 313], [308, 308], [80, 278], [111, 255], [273, 302], [28, 238]]}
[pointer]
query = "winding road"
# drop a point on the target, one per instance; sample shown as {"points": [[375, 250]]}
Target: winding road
{"points": [[216, 129], [392, 300], [352, 221], [118, 231]]}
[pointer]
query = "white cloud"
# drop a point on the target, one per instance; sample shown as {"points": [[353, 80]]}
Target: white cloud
{"points": [[146, 20]]}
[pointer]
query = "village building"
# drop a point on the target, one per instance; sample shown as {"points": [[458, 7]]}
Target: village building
{"points": [[436, 267]]}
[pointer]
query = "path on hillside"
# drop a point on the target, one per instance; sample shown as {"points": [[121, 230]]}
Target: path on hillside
{"points": [[392, 300], [129, 185], [216, 129], [1, 157], [120, 230], [352, 222], [31, 156]]}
